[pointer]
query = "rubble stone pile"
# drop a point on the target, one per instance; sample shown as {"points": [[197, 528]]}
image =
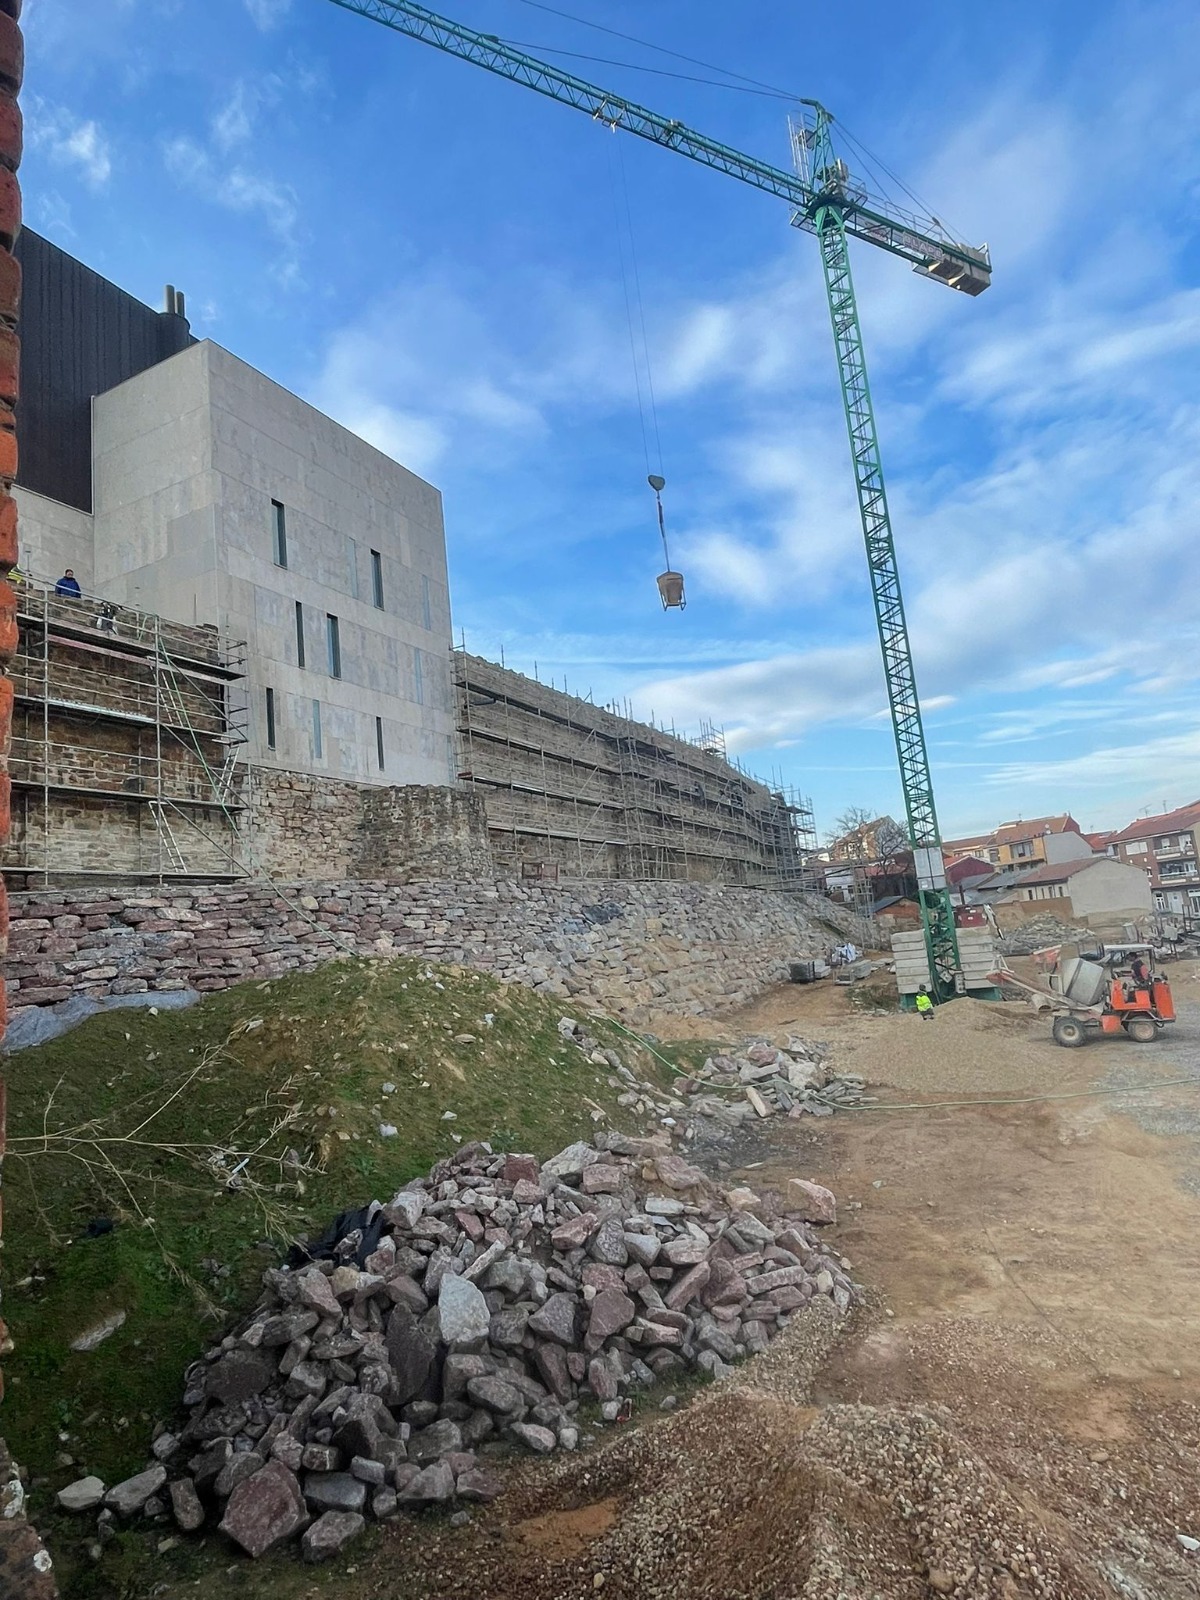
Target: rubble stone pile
{"points": [[765, 1079], [485, 1307], [1039, 932]]}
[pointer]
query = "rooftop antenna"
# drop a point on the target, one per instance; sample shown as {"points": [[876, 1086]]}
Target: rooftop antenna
{"points": [[670, 582]]}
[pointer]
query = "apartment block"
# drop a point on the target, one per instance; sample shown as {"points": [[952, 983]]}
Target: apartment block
{"points": [[1165, 848]]}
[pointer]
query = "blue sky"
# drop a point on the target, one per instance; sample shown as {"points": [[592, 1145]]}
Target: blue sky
{"points": [[435, 257]]}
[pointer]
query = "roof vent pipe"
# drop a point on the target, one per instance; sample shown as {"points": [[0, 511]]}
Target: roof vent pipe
{"points": [[176, 332]]}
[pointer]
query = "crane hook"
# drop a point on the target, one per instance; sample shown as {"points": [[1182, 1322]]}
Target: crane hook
{"points": [[670, 582]]}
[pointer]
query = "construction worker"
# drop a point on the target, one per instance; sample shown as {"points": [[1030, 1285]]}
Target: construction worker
{"points": [[924, 1004], [68, 586], [1141, 972]]}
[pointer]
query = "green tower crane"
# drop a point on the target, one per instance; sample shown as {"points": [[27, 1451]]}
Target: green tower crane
{"points": [[827, 202]]}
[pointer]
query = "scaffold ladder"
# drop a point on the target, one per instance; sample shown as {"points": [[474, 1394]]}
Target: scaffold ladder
{"points": [[167, 840]]}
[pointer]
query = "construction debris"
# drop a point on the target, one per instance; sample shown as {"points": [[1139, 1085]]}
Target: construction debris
{"points": [[502, 1296], [1041, 932], [765, 1080]]}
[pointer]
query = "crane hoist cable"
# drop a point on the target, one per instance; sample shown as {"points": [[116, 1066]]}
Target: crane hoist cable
{"points": [[646, 44], [670, 582]]}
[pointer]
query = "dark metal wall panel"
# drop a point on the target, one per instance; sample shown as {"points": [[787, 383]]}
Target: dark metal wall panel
{"points": [[80, 336]]}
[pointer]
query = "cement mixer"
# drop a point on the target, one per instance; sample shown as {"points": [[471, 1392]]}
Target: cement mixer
{"points": [[1109, 991]]}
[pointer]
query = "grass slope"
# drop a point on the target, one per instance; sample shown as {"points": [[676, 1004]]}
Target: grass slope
{"points": [[141, 1119]]}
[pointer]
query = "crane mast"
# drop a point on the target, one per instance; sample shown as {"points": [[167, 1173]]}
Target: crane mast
{"points": [[828, 223], [826, 203]]}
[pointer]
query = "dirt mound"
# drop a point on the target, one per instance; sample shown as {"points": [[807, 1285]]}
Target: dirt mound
{"points": [[746, 1494]]}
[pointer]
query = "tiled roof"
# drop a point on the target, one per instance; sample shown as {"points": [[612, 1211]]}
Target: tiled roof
{"points": [[1059, 872], [968, 867], [1182, 819], [958, 847], [1033, 828]]}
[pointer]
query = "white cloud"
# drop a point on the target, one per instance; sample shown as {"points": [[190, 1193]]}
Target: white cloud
{"points": [[233, 122], [424, 366], [1125, 766], [268, 14], [235, 188], [70, 141]]}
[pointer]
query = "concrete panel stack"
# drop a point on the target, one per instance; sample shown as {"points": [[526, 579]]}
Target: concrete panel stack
{"points": [[976, 946]]}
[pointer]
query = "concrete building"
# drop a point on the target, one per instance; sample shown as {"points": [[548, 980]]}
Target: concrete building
{"points": [[1165, 848], [212, 496], [258, 673], [1097, 887]]}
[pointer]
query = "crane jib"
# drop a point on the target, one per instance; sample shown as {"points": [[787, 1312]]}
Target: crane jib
{"points": [[875, 221]]}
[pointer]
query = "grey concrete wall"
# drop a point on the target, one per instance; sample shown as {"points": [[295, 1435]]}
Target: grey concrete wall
{"points": [[189, 457], [53, 538], [1109, 886], [1066, 846]]}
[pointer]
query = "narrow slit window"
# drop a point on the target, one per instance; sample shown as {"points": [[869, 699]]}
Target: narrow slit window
{"points": [[279, 533], [418, 679], [379, 743], [299, 634], [270, 719], [318, 746], [352, 567], [426, 607], [377, 579], [333, 643]]}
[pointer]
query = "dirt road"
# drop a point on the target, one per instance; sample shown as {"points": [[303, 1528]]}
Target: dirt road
{"points": [[1015, 1412]]}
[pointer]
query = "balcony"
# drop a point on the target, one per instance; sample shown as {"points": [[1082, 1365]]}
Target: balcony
{"points": [[1177, 872]]}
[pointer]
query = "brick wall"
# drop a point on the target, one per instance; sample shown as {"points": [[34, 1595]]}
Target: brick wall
{"points": [[628, 947]]}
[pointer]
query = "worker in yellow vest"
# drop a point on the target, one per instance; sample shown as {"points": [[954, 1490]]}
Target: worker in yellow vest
{"points": [[925, 1003]]}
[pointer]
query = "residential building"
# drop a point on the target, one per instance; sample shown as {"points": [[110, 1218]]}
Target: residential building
{"points": [[1097, 886], [1023, 846], [1165, 848], [177, 480], [964, 875], [870, 841], [1101, 842], [975, 846]]}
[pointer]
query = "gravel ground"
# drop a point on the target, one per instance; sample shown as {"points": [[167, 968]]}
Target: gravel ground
{"points": [[1016, 1413]]}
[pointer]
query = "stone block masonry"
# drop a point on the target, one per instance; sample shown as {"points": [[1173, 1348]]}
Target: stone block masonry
{"points": [[629, 948], [295, 822]]}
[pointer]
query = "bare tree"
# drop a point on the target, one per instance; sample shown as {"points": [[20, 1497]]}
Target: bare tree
{"points": [[849, 834], [891, 840]]}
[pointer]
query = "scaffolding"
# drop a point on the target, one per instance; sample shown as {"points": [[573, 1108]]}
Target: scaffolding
{"points": [[126, 755], [601, 795]]}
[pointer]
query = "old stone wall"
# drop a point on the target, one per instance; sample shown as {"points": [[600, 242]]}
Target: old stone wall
{"points": [[298, 826], [630, 948], [423, 832]]}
